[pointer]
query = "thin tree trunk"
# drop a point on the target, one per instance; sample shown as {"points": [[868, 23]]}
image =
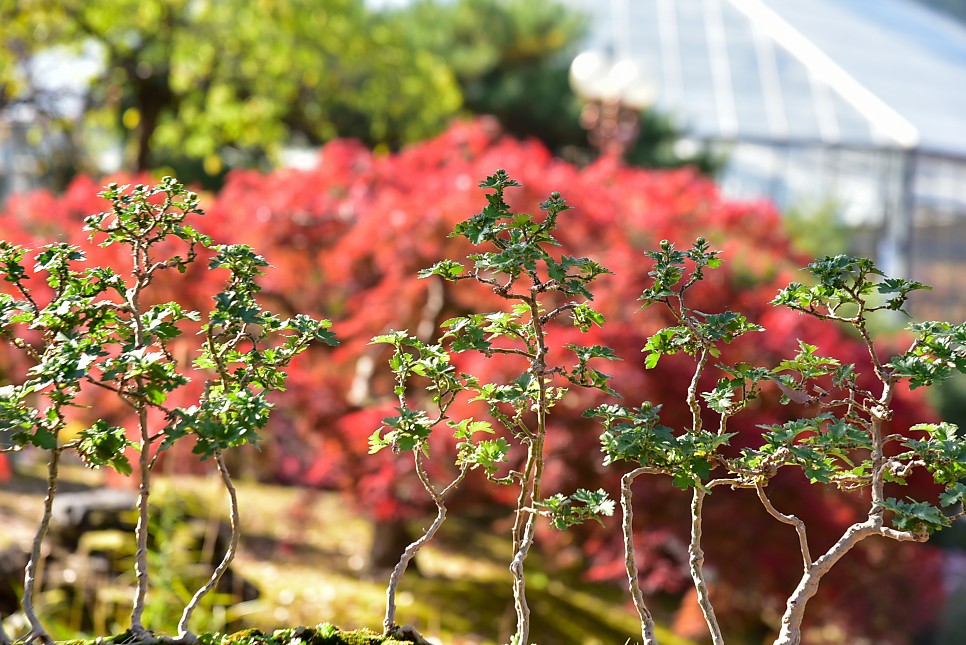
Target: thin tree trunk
{"points": [[219, 571], [389, 624], [630, 557], [142, 272], [141, 530], [535, 458], [30, 572], [791, 630], [791, 520], [522, 634], [521, 545], [696, 563], [523, 499], [695, 552]]}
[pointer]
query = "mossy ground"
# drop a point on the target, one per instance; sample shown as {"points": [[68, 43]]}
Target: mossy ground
{"points": [[324, 634], [306, 552]]}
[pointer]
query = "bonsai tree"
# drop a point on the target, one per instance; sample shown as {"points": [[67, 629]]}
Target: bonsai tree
{"points": [[541, 289], [847, 443], [93, 328], [353, 233]]}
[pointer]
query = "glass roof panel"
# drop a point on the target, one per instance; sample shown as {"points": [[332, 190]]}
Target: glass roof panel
{"points": [[904, 65]]}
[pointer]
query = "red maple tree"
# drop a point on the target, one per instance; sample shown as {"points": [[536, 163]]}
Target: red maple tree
{"points": [[346, 240]]}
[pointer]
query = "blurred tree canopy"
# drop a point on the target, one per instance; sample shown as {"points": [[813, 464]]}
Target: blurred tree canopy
{"points": [[186, 78], [198, 84], [517, 69]]}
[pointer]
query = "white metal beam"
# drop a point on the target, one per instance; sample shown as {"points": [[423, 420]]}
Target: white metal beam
{"points": [[883, 118]]}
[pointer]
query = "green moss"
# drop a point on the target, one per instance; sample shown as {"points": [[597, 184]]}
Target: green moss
{"points": [[324, 634], [244, 636]]}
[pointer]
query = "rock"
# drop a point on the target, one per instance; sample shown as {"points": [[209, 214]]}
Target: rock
{"points": [[13, 561], [98, 509]]}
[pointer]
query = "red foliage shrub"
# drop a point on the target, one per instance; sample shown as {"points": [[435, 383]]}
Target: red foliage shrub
{"points": [[346, 240]]}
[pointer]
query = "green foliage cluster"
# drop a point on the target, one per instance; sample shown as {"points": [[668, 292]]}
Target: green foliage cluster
{"points": [[518, 265], [844, 290], [91, 327], [845, 443], [194, 80]]}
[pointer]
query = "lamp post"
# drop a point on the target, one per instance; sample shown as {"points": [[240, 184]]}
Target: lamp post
{"points": [[614, 93]]}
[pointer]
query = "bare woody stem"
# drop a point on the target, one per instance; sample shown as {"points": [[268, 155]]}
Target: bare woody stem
{"points": [[693, 401], [522, 525], [696, 566], [695, 552], [630, 555], [791, 629], [183, 633], [141, 529], [36, 552], [140, 260], [787, 519], [526, 481], [879, 414], [530, 492], [389, 623], [519, 579]]}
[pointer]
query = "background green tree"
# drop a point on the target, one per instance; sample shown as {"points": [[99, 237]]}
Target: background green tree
{"points": [[198, 86], [517, 69], [184, 79]]}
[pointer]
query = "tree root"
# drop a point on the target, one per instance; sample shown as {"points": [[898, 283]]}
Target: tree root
{"points": [[408, 633]]}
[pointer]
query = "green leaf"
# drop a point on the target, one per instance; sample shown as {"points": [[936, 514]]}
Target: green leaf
{"points": [[954, 494], [634, 435], [565, 512], [467, 428], [446, 269], [467, 334], [939, 351], [667, 342], [721, 399], [585, 317], [913, 515], [942, 431], [486, 454], [499, 181], [103, 445], [377, 443], [155, 393]]}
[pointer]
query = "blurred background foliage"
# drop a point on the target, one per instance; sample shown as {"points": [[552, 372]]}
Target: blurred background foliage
{"points": [[201, 86], [196, 80], [346, 239]]}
